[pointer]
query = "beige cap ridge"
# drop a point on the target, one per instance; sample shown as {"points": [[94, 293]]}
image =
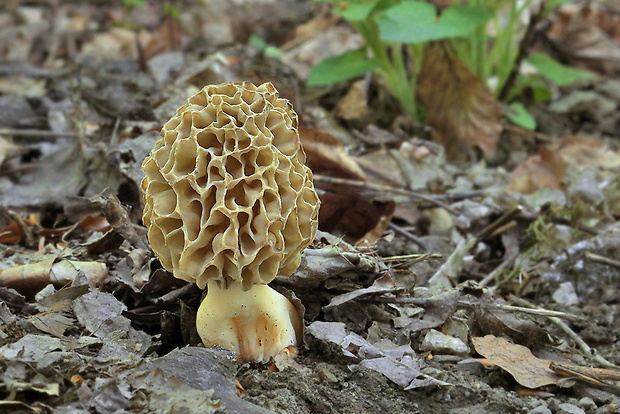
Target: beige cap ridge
{"points": [[227, 194]]}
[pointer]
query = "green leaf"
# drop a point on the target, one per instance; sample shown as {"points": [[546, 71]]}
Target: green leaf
{"points": [[128, 4], [259, 43], [341, 67], [556, 72], [417, 22], [172, 11], [356, 12], [540, 89], [518, 115]]}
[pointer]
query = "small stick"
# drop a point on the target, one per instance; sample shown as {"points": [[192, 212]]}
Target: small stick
{"points": [[537, 311], [383, 188], [503, 265], [35, 133], [589, 352], [459, 196], [417, 240], [498, 223], [602, 260]]}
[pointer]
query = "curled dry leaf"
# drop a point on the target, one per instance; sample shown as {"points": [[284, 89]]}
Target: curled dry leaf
{"points": [[325, 155], [30, 278], [459, 107]]}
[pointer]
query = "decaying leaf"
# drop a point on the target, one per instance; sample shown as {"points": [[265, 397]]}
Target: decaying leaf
{"points": [[589, 35], [168, 394], [330, 261], [354, 217], [325, 155], [518, 360], [459, 107], [384, 284], [354, 105], [209, 370], [548, 168], [101, 314], [344, 211]]}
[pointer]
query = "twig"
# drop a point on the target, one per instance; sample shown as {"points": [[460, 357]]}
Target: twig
{"points": [[35, 133], [383, 188], [459, 196], [518, 130], [589, 352], [503, 265], [536, 311], [175, 294], [602, 260], [114, 139], [498, 223], [417, 240]]}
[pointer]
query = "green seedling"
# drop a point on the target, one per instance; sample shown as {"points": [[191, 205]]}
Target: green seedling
{"points": [[396, 33]]}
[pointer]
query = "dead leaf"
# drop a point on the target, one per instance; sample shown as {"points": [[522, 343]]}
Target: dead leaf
{"points": [[344, 212], [518, 360], [548, 168], [532, 175], [326, 156], [384, 284], [460, 109], [589, 36], [354, 105], [167, 37], [355, 217]]}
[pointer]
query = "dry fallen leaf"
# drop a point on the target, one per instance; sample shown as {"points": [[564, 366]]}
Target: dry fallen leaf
{"points": [[354, 216], [344, 212], [326, 156], [548, 168], [518, 360], [459, 107], [589, 36], [354, 105]]}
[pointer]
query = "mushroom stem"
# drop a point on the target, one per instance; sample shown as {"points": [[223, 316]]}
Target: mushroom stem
{"points": [[256, 324]]}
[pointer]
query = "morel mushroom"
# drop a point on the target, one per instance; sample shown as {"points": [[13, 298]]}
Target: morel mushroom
{"points": [[230, 205]]}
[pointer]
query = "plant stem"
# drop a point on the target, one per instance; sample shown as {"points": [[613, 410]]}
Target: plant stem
{"points": [[394, 72]]}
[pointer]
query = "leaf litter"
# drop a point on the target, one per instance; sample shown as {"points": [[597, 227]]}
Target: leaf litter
{"points": [[512, 257]]}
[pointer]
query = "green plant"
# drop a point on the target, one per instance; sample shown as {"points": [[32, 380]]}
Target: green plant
{"points": [[397, 32], [172, 11]]}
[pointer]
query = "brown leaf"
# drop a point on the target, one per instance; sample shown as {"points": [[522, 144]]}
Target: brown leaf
{"points": [[588, 36], [459, 107], [354, 105], [326, 156], [532, 175], [518, 360], [344, 212], [548, 168], [167, 37], [354, 216]]}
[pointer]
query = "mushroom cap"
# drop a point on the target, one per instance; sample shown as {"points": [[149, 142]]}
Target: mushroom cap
{"points": [[227, 195]]}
